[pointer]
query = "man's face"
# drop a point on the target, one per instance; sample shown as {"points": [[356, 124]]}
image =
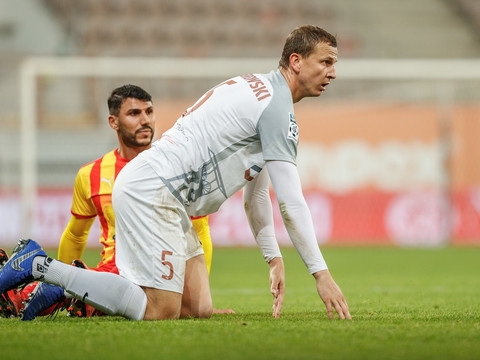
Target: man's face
{"points": [[136, 122], [316, 70]]}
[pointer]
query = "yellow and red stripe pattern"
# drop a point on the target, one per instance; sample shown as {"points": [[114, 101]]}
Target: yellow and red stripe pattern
{"points": [[93, 197]]}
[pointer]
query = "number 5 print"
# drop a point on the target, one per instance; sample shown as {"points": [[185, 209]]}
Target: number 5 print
{"points": [[167, 263]]}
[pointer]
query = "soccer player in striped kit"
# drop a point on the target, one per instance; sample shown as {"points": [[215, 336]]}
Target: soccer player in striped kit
{"points": [[241, 134], [132, 116]]}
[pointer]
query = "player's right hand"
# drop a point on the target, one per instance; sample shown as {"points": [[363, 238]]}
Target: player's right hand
{"points": [[277, 285]]}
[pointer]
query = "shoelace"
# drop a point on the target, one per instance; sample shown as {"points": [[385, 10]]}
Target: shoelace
{"points": [[60, 306]]}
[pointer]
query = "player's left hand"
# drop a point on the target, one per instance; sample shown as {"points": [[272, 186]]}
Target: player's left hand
{"points": [[331, 295], [277, 285]]}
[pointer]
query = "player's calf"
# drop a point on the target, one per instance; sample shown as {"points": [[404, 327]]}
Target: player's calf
{"points": [[77, 307]]}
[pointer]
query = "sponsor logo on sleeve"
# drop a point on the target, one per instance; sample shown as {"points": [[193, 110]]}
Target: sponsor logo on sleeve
{"points": [[292, 128]]}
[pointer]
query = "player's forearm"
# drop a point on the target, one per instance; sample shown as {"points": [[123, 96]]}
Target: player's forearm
{"points": [[295, 213], [203, 231], [74, 239], [258, 209], [298, 221], [70, 248]]}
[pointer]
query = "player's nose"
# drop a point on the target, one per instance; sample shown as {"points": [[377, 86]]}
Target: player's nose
{"points": [[332, 74], [145, 118]]}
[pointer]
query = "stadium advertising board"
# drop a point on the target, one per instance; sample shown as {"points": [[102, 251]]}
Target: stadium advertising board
{"points": [[372, 174]]}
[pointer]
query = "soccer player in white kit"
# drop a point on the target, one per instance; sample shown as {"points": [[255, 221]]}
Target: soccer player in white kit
{"points": [[240, 134]]}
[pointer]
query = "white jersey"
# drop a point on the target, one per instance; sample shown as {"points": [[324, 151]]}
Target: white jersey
{"points": [[224, 139]]}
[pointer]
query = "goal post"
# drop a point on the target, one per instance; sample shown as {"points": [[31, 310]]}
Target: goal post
{"points": [[192, 68]]}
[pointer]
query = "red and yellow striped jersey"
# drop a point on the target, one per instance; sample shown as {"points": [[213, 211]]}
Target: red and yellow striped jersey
{"points": [[92, 196]]}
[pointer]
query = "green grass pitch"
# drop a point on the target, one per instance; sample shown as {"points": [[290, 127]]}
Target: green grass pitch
{"points": [[405, 303]]}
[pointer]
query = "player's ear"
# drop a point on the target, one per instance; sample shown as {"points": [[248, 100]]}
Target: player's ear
{"points": [[113, 122], [295, 62]]}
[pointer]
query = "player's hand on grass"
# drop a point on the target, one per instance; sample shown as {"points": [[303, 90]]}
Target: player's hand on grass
{"points": [[331, 295], [277, 285]]}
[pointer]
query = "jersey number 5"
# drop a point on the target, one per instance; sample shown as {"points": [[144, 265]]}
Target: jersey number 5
{"points": [[167, 263]]}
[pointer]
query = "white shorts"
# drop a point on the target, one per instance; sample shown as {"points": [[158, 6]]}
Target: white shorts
{"points": [[154, 234]]}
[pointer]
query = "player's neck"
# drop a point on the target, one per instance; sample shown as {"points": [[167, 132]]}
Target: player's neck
{"points": [[129, 153], [291, 81]]}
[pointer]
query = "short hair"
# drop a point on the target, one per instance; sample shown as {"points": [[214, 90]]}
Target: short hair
{"points": [[120, 94], [302, 40]]}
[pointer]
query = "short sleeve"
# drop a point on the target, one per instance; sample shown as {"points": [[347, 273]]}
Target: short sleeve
{"points": [[82, 204], [277, 126]]}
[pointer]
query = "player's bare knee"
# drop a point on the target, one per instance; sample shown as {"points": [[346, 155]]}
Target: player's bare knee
{"points": [[161, 312], [162, 305], [205, 312]]}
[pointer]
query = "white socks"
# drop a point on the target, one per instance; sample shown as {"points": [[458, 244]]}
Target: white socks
{"points": [[40, 266], [107, 292]]}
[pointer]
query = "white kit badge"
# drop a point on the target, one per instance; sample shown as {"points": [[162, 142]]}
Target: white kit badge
{"points": [[292, 128]]}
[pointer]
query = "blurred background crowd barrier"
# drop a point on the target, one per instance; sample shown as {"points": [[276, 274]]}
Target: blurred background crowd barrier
{"points": [[388, 155]]}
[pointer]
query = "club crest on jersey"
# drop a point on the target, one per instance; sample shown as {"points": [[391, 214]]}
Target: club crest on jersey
{"points": [[292, 128]]}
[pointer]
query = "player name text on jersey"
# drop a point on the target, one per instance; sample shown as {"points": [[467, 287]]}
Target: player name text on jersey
{"points": [[258, 87]]}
